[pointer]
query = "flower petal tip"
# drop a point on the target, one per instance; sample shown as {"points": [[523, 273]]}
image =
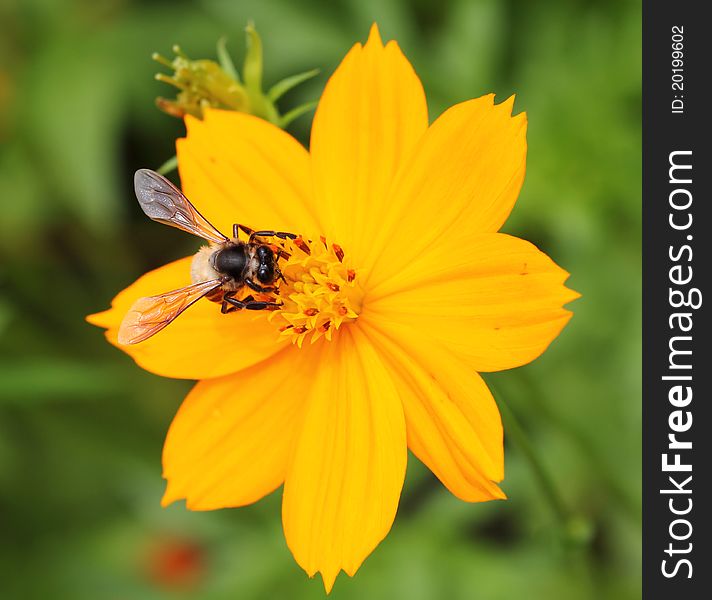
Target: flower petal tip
{"points": [[508, 107], [99, 319], [328, 580], [169, 497], [573, 295], [328, 577], [508, 103], [374, 36], [190, 121], [570, 293]]}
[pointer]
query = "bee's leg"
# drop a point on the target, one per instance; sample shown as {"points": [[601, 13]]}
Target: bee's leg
{"points": [[250, 303], [279, 273], [269, 233], [263, 233], [240, 227], [258, 288], [281, 253], [226, 307]]}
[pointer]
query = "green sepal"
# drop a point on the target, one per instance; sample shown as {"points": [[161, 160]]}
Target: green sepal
{"points": [[288, 117], [252, 68], [282, 87], [225, 61], [170, 165]]}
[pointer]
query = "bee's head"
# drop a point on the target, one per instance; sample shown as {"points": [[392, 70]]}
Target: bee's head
{"points": [[265, 271]]}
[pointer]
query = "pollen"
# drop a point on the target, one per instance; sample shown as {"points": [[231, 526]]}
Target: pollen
{"points": [[320, 291]]}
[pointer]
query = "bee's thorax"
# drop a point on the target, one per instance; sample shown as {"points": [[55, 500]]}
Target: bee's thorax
{"points": [[231, 261]]}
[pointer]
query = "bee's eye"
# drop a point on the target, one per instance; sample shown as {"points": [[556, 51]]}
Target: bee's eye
{"points": [[265, 274]]}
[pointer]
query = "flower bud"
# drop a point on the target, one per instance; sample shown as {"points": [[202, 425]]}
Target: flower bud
{"points": [[206, 83], [202, 84]]}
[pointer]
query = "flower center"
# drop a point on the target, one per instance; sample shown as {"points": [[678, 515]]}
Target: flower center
{"points": [[319, 293]]}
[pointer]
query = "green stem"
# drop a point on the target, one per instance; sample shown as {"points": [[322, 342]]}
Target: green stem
{"points": [[170, 165], [582, 439], [516, 433]]}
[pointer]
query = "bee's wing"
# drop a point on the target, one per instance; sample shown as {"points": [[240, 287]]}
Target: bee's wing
{"points": [[149, 315], [165, 203]]}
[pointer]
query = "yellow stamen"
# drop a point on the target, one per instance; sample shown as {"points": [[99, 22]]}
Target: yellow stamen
{"points": [[320, 292]]}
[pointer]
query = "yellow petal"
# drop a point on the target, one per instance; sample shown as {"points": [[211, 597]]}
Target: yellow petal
{"points": [[493, 299], [465, 175], [369, 119], [201, 342], [230, 442], [452, 421], [236, 168], [342, 488]]}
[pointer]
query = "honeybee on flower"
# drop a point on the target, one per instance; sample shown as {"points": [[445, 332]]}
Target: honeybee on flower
{"points": [[403, 261]]}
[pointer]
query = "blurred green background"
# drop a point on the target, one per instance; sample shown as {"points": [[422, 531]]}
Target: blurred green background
{"points": [[81, 427]]}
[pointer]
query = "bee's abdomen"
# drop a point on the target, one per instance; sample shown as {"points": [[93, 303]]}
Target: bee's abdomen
{"points": [[231, 261]]}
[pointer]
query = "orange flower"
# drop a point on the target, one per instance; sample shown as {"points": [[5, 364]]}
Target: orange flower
{"points": [[429, 293]]}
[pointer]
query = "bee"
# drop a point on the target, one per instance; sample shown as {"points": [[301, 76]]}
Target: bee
{"points": [[219, 271]]}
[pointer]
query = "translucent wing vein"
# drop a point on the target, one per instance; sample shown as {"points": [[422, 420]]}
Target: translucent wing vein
{"points": [[149, 315]]}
